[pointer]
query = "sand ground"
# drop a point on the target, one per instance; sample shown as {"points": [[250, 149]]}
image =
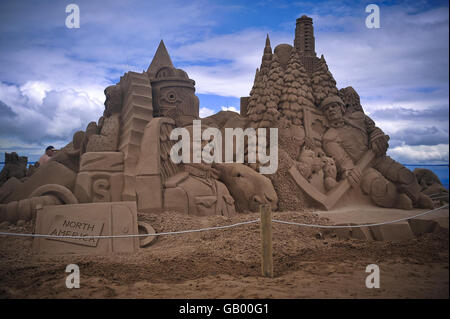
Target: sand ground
{"points": [[308, 263]]}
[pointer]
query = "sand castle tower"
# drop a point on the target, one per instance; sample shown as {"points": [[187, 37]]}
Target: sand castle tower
{"points": [[304, 42], [304, 36]]}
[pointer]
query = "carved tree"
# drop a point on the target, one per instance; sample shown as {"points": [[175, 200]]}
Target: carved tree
{"points": [[296, 91], [255, 98], [275, 80], [267, 58], [323, 83], [272, 93]]}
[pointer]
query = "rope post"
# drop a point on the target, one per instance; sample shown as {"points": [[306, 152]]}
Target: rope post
{"points": [[266, 241]]}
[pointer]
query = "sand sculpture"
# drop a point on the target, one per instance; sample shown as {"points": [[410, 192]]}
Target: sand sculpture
{"points": [[431, 185], [328, 148], [15, 166]]}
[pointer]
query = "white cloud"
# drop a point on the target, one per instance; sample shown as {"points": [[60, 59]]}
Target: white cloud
{"points": [[35, 91], [205, 112], [220, 80], [389, 66], [426, 154], [229, 108], [231, 60], [42, 113]]}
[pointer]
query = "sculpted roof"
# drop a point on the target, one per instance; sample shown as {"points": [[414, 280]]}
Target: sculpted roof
{"points": [[160, 60]]}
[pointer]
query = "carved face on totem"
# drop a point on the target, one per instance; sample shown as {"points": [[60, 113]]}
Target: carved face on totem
{"points": [[174, 94], [177, 101]]}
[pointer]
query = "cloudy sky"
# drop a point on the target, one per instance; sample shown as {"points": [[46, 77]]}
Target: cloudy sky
{"points": [[52, 78]]}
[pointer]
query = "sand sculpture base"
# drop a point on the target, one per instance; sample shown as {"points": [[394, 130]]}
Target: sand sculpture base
{"points": [[404, 230]]}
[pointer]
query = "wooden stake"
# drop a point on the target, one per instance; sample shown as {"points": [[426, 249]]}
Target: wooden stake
{"points": [[266, 241]]}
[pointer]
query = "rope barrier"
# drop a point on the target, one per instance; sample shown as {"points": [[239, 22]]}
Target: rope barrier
{"points": [[224, 227], [437, 194], [134, 235], [362, 225], [439, 197]]}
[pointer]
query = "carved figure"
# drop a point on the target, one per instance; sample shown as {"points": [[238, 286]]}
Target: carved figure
{"points": [[430, 184], [348, 140]]}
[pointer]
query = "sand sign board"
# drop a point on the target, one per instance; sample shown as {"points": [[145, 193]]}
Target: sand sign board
{"points": [[70, 226], [93, 219]]}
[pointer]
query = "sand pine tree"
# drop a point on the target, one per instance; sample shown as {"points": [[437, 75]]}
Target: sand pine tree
{"points": [[261, 102], [267, 58], [275, 81], [296, 92], [271, 94], [323, 83], [270, 114], [261, 110], [255, 96], [304, 90], [258, 100]]}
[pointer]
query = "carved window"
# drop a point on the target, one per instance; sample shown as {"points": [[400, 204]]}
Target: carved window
{"points": [[164, 73]]}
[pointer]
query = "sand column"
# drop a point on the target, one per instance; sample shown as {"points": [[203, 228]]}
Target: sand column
{"points": [[137, 111]]}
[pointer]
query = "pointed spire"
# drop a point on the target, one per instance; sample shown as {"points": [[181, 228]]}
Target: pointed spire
{"points": [[160, 59], [268, 48]]}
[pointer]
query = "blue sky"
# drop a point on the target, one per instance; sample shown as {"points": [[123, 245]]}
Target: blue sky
{"points": [[52, 78]]}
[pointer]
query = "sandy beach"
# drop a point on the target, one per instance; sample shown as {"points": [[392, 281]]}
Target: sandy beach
{"points": [[308, 263]]}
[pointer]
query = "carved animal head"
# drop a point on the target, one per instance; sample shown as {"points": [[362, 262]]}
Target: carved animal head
{"points": [[248, 188]]}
